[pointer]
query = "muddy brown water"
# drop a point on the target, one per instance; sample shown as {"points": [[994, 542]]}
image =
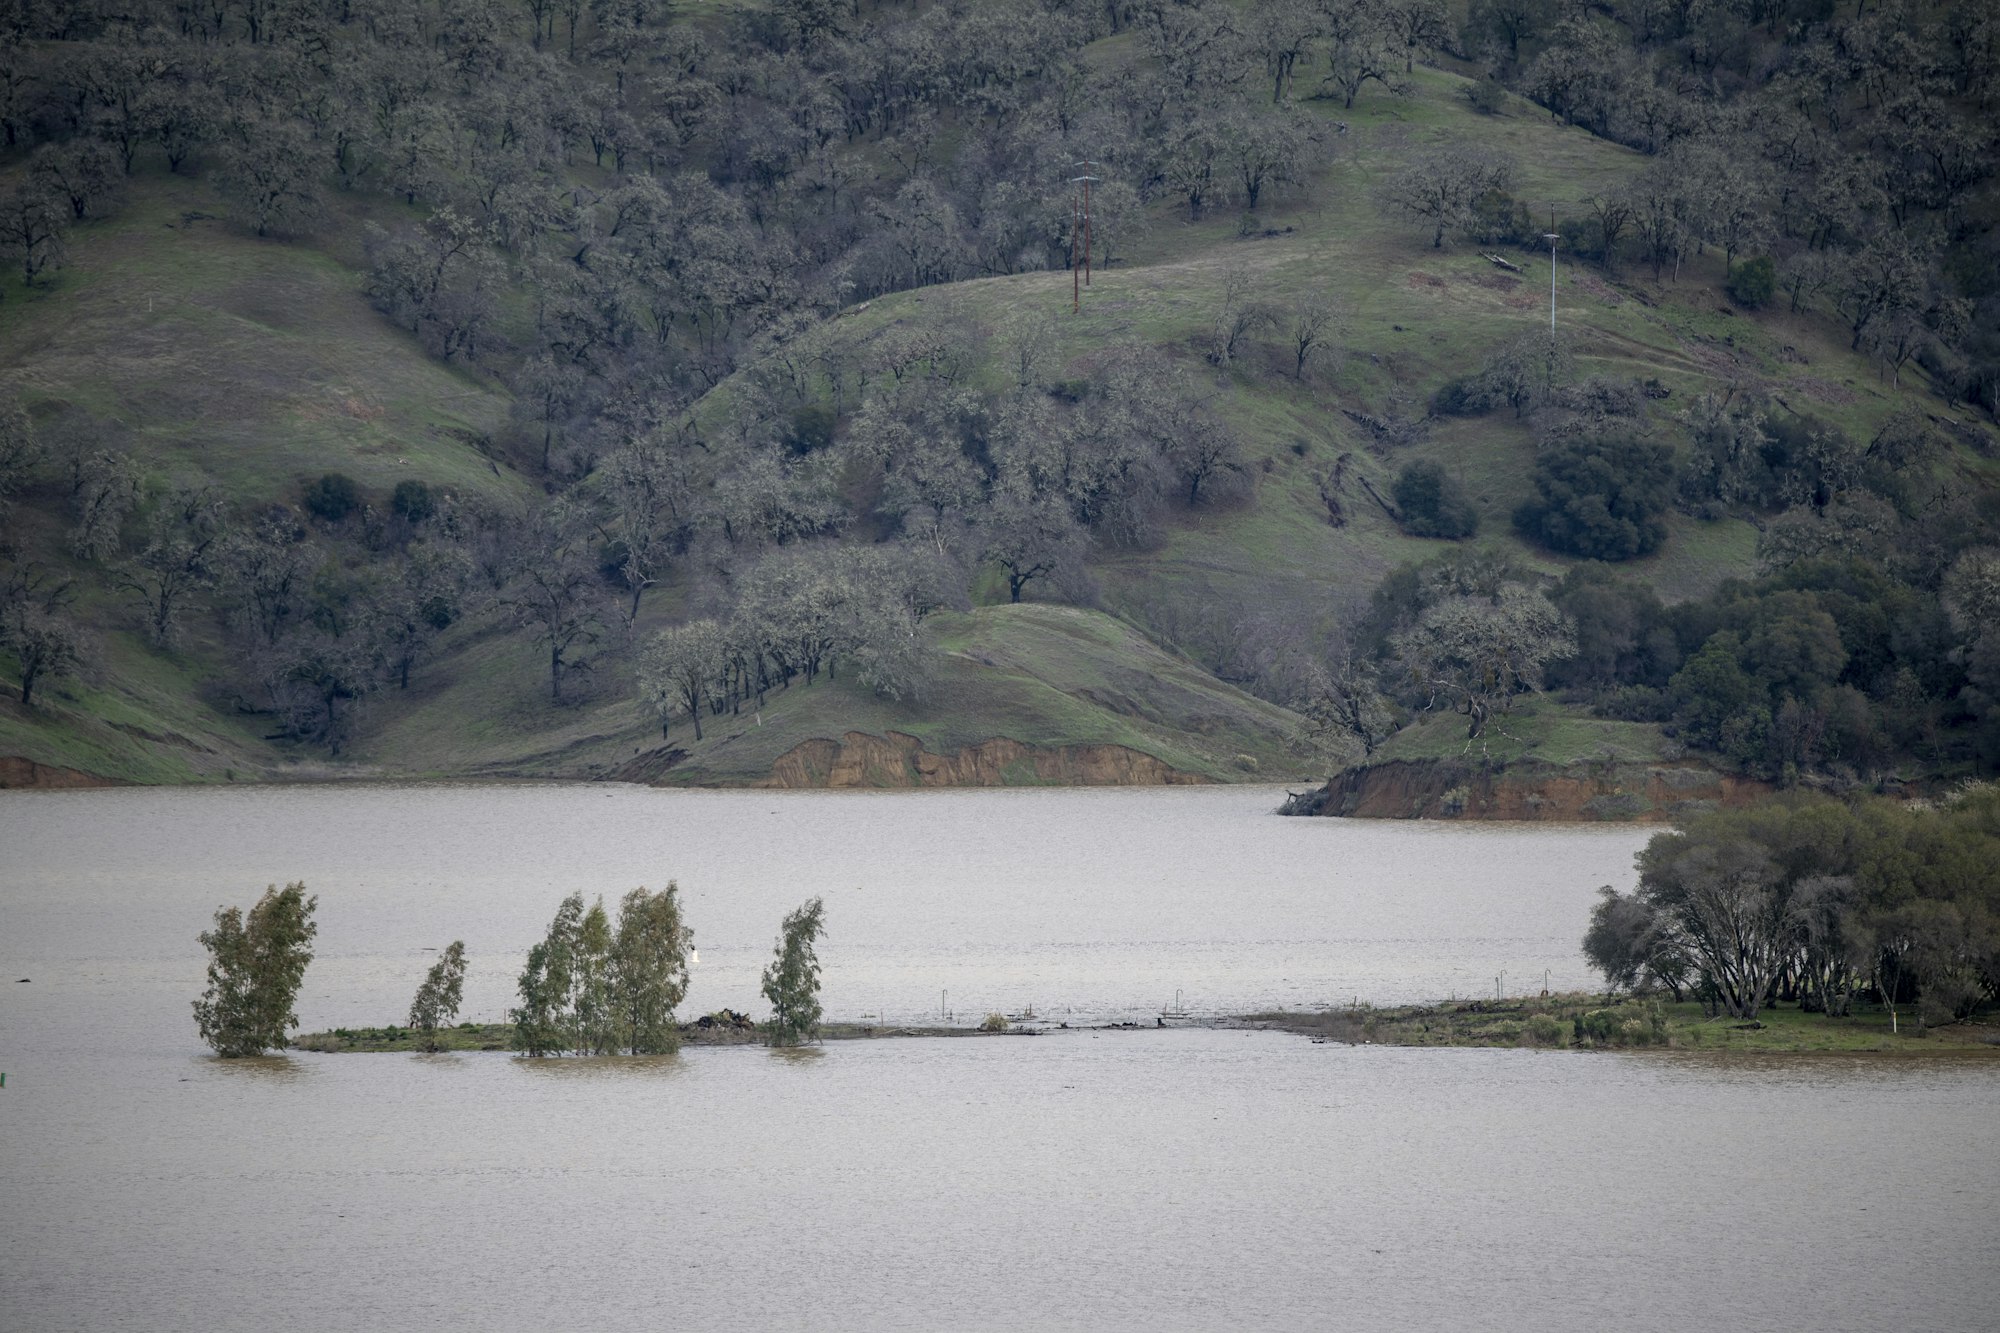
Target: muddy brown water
{"points": [[1157, 1180]]}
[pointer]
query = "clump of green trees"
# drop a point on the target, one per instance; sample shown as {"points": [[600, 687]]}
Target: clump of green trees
{"points": [[1471, 631], [1815, 901], [1600, 497], [592, 987], [256, 962], [1434, 503]]}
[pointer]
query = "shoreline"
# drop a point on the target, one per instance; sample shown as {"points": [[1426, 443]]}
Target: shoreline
{"points": [[1582, 1022]]}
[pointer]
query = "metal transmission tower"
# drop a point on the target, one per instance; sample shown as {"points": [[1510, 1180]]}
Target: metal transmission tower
{"points": [[1079, 225]]}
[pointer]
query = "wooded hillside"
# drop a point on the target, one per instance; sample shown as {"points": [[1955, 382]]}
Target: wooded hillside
{"points": [[414, 388]]}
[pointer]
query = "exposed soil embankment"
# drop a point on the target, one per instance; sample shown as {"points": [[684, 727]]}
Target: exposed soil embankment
{"points": [[858, 759], [18, 772], [1444, 789]]}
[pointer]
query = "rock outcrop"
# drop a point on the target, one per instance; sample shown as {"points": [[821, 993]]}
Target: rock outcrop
{"points": [[859, 759], [1444, 789]]}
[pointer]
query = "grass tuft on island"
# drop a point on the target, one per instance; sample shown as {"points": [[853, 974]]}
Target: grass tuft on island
{"points": [[1582, 1021]]}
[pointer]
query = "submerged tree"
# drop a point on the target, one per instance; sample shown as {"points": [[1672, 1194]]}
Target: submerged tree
{"points": [[791, 982], [541, 1021], [255, 966], [649, 970], [589, 990], [437, 999]]}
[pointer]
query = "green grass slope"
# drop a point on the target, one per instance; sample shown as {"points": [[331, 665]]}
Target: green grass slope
{"points": [[1042, 675], [255, 363], [206, 352]]}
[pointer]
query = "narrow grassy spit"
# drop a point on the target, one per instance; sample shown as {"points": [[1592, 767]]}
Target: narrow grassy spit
{"points": [[1582, 1021], [710, 1030]]}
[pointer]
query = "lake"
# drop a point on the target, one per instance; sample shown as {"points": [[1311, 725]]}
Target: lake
{"points": [[1190, 1179]]}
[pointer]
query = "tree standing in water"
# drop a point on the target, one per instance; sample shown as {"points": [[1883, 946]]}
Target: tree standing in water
{"points": [[255, 966], [791, 982], [649, 970], [437, 999]]}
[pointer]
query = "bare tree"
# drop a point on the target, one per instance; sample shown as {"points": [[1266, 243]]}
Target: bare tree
{"points": [[105, 492], [555, 591], [681, 671], [34, 222], [184, 536], [1237, 317], [21, 449], [1360, 47], [35, 628], [1417, 28], [1441, 186], [1882, 279], [82, 173], [1311, 321], [1345, 700], [652, 498], [271, 175], [1031, 537]]}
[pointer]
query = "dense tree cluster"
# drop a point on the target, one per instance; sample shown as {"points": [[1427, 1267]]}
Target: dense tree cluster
{"points": [[1864, 646], [674, 188], [679, 198], [1469, 630], [1600, 498], [1813, 901], [590, 988], [595, 987], [1843, 154]]}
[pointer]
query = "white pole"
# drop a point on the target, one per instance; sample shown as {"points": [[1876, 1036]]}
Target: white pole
{"points": [[1552, 238]]}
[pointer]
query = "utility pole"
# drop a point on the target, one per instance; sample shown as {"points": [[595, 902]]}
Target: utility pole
{"points": [[1552, 237], [1079, 225]]}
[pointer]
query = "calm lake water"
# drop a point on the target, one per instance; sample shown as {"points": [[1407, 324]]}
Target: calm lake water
{"points": [[1080, 1180]]}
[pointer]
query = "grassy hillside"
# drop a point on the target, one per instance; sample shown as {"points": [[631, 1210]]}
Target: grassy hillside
{"points": [[176, 335], [1415, 317], [255, 363], [1045, 675]]}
